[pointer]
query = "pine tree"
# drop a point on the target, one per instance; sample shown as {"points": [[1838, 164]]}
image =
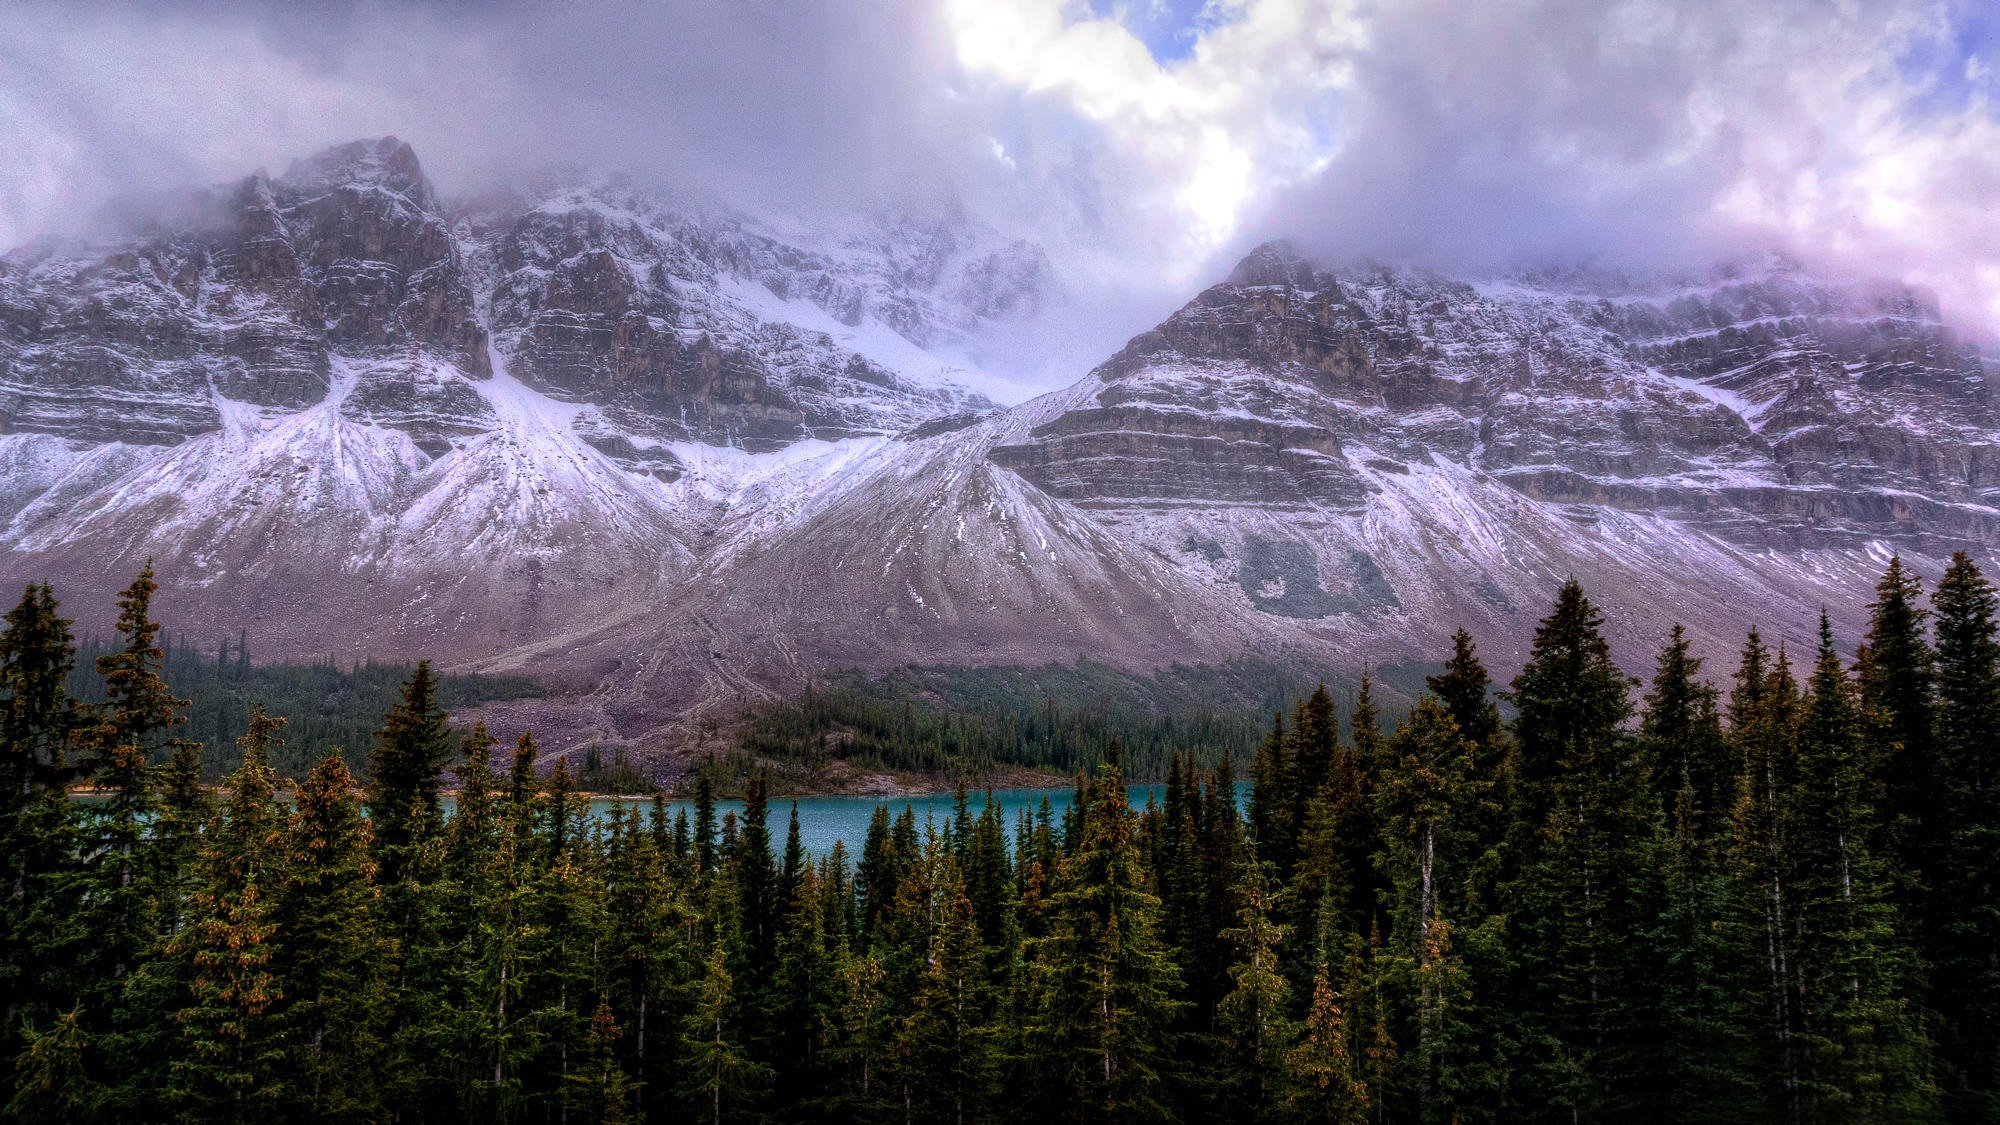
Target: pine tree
{"points": [[37, 719], [1865, 1056], [1764, 862], [331, 951], [598, 1089], [1253, 1014], [1465, 691], [1965, 946], [233, 1067], [1315, 746], [53, 1083], [1707, 951], [1896, 698], [407, 763], [1322, 1084], [1336, 890], [117, 925], [1271, 799], [474, 828], [1431, 802], [720, 1075], [649, 920], [943, 1047], [757, 880], [1682, 746], [1102, 988], [1583, 881], [704, 820], [184, 807]]}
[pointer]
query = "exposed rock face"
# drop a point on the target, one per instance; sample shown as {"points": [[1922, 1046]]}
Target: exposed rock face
{"points": [[669, 458], [240, 296], [1766, 407], [683, 324], [285, 393]]}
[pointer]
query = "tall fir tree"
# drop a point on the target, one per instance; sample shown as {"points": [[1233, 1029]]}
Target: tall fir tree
{"points": [[406, 768], [1102, 994], [37, 718], [1865, 1054], [232, 1066], [1896, 699], [331, 951], [1255, 1014], [1581, 884], [1964, 949]]}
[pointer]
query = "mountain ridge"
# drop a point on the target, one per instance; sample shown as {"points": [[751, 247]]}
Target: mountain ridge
{"points": [[670, 462]]}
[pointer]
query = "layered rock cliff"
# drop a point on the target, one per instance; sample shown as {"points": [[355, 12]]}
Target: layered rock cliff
{"points": [[670, 458]]}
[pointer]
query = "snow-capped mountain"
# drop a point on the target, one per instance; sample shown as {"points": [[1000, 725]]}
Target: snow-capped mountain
{"points": [[668, 457], [332, 397]]}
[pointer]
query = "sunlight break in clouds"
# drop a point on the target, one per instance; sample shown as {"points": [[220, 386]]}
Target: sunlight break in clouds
{"points": [[1244, 113], [1630, 133]]}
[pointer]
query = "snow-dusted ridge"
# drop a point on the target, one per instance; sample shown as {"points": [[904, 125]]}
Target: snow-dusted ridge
{"points": [[670, 458]]}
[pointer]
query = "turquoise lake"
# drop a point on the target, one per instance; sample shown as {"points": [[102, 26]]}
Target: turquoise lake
{"points": [[823, 820]]}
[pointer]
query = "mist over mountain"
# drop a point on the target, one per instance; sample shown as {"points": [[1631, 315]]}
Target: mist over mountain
{"points": [[669, 456]]}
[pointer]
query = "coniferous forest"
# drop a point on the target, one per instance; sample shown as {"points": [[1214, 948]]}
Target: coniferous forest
{"points": [[1708, 896]]}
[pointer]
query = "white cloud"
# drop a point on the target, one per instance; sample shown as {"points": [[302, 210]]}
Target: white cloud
{"points": [[1630, 131]]}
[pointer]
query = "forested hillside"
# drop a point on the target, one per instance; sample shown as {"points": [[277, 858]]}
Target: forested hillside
{"points": [[968, 722], [325, 705], [1626, 901]]}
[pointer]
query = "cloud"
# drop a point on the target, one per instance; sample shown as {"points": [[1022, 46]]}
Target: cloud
{"points": [[793, 103], [1643, 132], [1144, 144]]}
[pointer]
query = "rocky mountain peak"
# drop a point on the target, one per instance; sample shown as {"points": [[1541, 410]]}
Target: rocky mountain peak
{"points": [[383, 163], [1275, 263], [681, 478]]}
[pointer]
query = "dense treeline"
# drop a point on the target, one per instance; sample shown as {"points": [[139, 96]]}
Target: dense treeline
{"points": [[869, 729], [1774, 904], [325, 705], [972, 721]]}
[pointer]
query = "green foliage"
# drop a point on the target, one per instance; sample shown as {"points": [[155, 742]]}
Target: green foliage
{"points": [[326, 705], [1695, 911], [970, 721]]}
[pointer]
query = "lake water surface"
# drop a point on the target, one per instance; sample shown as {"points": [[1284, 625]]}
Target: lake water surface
{"points": [[822, 820]]}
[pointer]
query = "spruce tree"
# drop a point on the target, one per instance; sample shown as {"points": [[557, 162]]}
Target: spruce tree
{"points": [[406, 767], [1707, 950], [1682, 746], [117, 925], [720, 1075], [1896, 698], [1321, 1082], [1102, 992], [233, 1065], [944, 1045], [37, 718], [1254, 1014], [1865, 1058], [331, 950], [1465, 691], [1965, 945], [1581, 886], [1271, 797], [1431, 802]]}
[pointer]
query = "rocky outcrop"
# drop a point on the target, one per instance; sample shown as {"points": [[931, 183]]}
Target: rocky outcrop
{"points": [[1763, 406], [241, 295], [690, 325], [284, 393], [669, 458]]}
